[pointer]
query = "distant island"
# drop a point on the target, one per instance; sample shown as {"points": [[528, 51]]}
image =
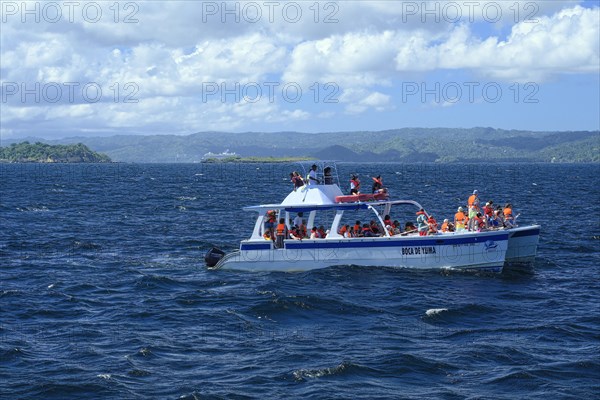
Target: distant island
{"points": [[257, 159], [26, 152]]}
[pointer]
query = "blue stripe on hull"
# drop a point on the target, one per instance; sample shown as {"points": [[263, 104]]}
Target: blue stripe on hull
{"points": [[354, 243], [529, 232], [262, 246]]}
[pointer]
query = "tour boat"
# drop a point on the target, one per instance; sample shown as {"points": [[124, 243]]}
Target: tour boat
{"points": [[487, 250]]}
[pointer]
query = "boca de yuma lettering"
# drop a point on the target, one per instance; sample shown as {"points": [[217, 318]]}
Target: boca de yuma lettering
{"points": [[409, 251]]}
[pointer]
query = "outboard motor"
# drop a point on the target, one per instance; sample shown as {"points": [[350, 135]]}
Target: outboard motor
{"points": [[213, 256]]}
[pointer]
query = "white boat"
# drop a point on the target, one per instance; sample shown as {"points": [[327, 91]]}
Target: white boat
{"points": [[219, 156], [465, 250]]}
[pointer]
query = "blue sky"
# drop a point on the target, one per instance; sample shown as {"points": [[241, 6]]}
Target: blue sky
{"points": [[177, 67]]}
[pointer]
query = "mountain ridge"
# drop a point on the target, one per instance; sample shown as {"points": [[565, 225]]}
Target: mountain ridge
{"points": [[400, 145]]}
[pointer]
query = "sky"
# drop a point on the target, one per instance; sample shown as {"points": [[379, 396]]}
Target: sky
{"points": [[177, 67]]}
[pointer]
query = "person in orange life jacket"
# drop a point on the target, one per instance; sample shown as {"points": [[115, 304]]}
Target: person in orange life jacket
{"points": [[375, 228], [295, 233], [302, 229], [488, 212], [377, 184], [422, 225], [473, 203], [366, 231], [343, 229], [390, 230], [313, 233], [321, 232], [432, 225], [488, 209], [508, 215], [357, 227], [460, 219], [478, 222], [281, 232], [445, 227], [354, 185], [387, 220], [270, 223]]}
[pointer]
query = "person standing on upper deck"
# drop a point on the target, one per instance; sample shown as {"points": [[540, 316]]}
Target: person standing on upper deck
{"points": [[473, 204], [312, 176]]}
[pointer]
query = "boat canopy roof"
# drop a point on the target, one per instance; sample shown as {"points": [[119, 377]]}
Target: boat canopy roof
{"points": [[322, 197], [335, 206]]}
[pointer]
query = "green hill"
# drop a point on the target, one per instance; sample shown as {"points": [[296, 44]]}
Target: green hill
{"points": [[45, 153]]}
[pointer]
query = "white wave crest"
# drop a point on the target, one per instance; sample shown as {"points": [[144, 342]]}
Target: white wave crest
{"points": [[435, 311]]}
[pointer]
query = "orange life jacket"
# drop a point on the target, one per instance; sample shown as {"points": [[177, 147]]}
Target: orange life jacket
{"points": [[445, 227], [432, 223], [471, 201], [460, 217], [357, 228], [343, 230], [508, 212], [280, 229]]}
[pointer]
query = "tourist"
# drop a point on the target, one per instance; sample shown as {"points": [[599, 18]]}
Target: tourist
{"points": [[422, 225], [409, 228], [312, 176], [432, 225], [298, 219], [460, 219], [508, 216], [327, 178], [296, 180], [473, 207], [377, 184], [354, 185], [281, 233]]}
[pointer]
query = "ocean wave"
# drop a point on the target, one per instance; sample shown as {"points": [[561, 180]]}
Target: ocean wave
{"points": [[435, 311], [33, 209], [342, 369]]}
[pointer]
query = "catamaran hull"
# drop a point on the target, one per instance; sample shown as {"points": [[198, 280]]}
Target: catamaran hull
{"points": [[466, 252], [522, 245]]}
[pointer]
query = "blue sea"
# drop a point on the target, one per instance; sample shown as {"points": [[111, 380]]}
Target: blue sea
{"points": [[104, 293]]}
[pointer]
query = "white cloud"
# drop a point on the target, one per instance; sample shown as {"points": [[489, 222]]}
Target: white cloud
{"points": [[176, 48], [565, 42]]}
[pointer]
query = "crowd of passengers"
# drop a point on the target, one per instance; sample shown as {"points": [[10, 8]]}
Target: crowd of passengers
{"points": [[476, 218]]}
